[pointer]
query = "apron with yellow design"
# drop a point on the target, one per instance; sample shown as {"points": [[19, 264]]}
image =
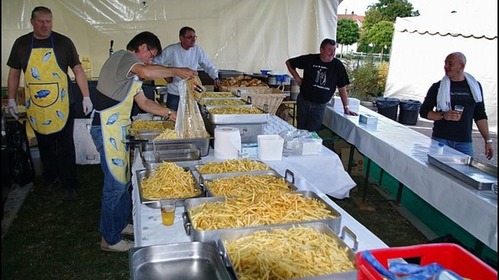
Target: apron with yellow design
{"points": [[47, 100], [115, 123]]}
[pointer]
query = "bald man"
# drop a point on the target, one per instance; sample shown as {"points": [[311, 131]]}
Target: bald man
{"points": [[453, 125]]}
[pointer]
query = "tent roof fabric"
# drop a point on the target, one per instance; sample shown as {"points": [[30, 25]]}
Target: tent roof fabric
{"points": [[420, 45], [451, 25]]}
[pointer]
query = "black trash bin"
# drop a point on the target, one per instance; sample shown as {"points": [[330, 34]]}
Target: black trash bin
{"points": [[409, 111], [388, 107]]}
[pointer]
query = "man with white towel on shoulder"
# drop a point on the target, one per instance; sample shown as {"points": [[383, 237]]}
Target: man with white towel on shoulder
{"points": [[452, 125]]}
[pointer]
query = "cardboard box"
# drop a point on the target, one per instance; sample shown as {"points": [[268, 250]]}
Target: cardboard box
{"points": [[357, 162]]}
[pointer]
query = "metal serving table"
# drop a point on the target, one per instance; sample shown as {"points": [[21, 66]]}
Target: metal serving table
{"points": [[147, 221], [403, 153]]}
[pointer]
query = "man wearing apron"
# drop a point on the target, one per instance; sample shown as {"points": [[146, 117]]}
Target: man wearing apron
{"points": [[119, 85], [44, 57]]}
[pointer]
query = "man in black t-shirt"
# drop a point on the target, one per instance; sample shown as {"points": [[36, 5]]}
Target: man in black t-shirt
{"points": [[322, 74], [452, 126]]}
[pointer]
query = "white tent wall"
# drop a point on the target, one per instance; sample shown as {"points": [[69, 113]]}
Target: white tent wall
{"points": [[244, 35], [420, 45]]}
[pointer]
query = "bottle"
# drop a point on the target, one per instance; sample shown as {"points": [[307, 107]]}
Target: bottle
{"points": [[87, 67]]}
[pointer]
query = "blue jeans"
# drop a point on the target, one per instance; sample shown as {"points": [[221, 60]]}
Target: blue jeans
{"points": [[309, 114], [463, 147], [116, 202]]}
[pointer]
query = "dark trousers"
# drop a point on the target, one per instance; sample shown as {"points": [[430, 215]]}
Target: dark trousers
{"points": [[58, 156], [309, 114]]}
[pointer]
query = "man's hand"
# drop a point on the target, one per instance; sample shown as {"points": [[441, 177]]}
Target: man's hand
{"points": [[217, 83], [185, 73], [87, 105], [347, 111], [12, 106], [173, 115]]}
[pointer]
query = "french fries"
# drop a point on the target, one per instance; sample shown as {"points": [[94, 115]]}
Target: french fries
{"points": [[233, 165], [235, 110], [139, 125], [167, 134], [169, 181], [242, 185], [275, 207], [296, 252]]}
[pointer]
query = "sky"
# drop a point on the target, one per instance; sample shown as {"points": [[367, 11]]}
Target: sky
{"points": [[425, 7]]}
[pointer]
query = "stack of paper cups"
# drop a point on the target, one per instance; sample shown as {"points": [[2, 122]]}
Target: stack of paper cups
{"points": [[227, 142]]}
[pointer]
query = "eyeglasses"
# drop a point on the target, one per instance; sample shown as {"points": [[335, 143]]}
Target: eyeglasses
{"points": [[150, 52], [190, 37]]}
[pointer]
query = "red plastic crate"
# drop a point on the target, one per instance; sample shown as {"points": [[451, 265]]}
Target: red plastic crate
{"points": [[449, 255]]}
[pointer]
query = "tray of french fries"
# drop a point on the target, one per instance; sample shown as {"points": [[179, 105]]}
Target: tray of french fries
{"points": [[145, 126], [167, 180], [292, 251], [236, 115], [237, 101], [206, 217], [231, 166], [220, 94], [242, 183]]}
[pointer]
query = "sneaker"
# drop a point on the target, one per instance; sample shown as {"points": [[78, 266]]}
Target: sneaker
{"points": [[122, 246], [128, 230]]}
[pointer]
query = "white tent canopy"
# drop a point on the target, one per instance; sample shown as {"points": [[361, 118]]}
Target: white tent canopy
{"points": [[244, 35], [420, 45]]}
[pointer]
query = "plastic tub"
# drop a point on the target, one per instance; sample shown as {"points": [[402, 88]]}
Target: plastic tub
{"points": [[270, 147], [448, 255]]}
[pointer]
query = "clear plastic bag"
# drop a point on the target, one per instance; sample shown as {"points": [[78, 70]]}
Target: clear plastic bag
{"points": [[189, 123]]}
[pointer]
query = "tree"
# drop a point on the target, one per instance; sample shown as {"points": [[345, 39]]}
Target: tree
{"points": [[379, 35], [380, 18], [348, 32], [387, 10]]}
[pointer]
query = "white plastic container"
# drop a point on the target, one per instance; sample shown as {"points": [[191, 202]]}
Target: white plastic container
{"points": [[270, 147]]}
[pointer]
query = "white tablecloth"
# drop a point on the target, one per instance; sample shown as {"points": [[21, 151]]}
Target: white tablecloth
{"points": [[318, 173], [403, 153]]}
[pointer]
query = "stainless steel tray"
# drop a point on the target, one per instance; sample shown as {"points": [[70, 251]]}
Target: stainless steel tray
{"points": [[476, 174], [148, 142], [205, 179], [189, 260], [172, 152], [213, 235], [238, 118], [154, 203], [235, 234]]}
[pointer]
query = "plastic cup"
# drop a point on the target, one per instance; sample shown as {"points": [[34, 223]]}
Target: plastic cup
{"points": [[167, 211], [460, 109]]}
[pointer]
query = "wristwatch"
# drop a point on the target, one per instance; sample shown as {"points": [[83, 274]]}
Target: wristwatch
{"points": [[489, 141]]}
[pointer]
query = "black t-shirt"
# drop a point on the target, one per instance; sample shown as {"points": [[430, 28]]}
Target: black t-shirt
{"points": [[320, 79], [460, 94], [64, 49]]}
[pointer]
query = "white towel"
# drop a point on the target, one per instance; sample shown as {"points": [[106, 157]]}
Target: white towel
{"points": [[443, 96]]}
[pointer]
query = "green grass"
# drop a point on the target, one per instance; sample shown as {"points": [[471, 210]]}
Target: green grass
{"points": [[55, 239]]}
